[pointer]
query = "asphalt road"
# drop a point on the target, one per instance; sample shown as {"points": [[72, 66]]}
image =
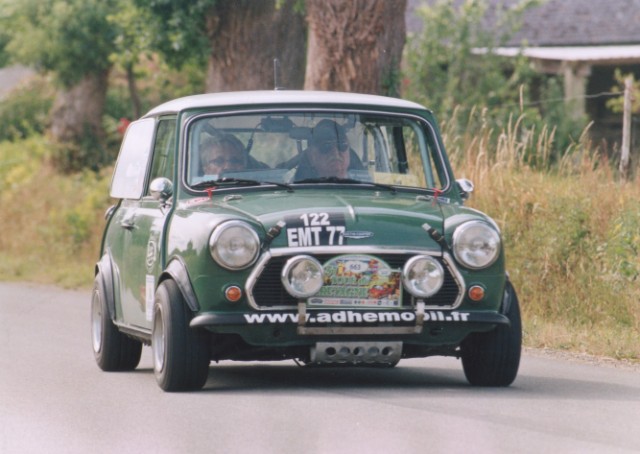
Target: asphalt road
{"points": [[54, 399]]}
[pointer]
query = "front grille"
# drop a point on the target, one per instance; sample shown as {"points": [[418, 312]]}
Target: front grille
{"points": [[269, 292]]}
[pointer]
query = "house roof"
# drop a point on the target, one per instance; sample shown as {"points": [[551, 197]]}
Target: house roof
{"points": [[609, 55], [563, 22], [580, 23]]}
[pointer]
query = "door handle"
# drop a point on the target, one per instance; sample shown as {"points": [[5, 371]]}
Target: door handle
{"points": [[128, 224]]}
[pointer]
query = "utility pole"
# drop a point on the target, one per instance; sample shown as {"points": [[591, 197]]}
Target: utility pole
{"points": [[626, 129]]}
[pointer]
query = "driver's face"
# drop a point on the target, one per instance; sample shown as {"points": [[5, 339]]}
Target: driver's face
{"points": [[330, 159], [221, 158]]}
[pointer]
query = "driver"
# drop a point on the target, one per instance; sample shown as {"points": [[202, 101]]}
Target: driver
{"points": [[328, 151], [329, 154], [222, 153]]}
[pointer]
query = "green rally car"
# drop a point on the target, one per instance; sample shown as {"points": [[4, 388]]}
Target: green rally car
{"points": [[322, 227]]}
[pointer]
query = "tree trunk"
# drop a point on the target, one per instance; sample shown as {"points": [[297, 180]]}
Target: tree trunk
{"points": [[136, 104], [246, 36], [76, 123], [355, 45]]}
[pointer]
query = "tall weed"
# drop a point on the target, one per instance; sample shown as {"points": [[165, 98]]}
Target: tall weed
{"points": [[571, 233]]}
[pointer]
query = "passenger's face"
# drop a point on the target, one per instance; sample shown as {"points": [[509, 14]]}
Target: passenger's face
{"points": [[222, 158], [330, 159]]}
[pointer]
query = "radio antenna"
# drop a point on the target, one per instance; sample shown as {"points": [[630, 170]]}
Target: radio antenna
{"points": [[276, 68]]}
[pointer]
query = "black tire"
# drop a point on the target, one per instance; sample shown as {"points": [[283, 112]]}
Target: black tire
{"points": [[180, 353], [493, 358], [113, 350]]}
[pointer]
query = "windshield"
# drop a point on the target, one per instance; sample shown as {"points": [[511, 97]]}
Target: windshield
{"points": [[313, 147]]}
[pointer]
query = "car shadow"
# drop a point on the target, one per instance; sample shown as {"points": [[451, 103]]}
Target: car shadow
{"points": [[289, 378]]}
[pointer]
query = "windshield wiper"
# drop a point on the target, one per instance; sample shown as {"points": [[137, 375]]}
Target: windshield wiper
{"points": [[227, 181], [346, 181], [205, 184]]}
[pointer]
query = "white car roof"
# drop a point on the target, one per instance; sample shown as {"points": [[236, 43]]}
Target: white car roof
{"points": [[306, 98]]}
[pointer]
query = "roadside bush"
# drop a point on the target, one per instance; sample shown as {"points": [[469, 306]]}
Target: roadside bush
{"points": [[25, 111]]}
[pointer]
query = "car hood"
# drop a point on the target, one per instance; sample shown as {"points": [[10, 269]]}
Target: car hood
{"points": [[332, 217]]}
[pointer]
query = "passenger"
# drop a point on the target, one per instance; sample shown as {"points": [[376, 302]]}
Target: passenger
{"points": [[222, 153]]}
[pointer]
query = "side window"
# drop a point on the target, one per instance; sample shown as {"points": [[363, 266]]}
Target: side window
{"points": [[133, 160], [164, 150]]}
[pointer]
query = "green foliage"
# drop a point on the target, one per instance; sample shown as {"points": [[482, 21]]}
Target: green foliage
{"points": [[133, 37], [156, 83], [450, 67], [179, 28], [445, 70], [25, 110], [617, 104], [70, 38], [4, 40]]}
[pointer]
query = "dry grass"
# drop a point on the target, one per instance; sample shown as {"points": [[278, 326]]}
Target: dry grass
{"points": [[51, 223], [572, 236]]}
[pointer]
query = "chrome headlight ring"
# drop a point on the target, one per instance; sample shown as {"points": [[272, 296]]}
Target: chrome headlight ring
{"points": [[423, 276], [476, 244], [234, 245], [302, 276]]}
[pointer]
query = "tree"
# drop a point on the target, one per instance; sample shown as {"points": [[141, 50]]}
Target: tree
{"points": [[355, 45], [72, 40], [442, 63], [239, 38], [246, 36]]}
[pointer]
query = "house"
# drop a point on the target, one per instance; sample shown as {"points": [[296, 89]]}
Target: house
{"points": [[584, 41]]}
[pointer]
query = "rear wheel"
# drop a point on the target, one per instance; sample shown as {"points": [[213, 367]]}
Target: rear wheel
{"points": [[180, 353], [112, 350], [493, 358]]}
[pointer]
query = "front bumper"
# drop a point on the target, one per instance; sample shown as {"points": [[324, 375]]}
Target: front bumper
{"points": [[350, 321]]}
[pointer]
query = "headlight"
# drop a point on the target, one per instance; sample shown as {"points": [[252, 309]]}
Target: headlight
{"points": [[302, 276], [476, 245], [422, 276], [234, 245]]}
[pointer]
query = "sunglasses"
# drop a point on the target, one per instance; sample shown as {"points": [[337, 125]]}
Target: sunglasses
{"points": [[327, 147]]}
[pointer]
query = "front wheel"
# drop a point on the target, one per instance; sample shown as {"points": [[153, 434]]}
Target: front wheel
{"points": [[180, 353], [112, 350], [493, 358]]}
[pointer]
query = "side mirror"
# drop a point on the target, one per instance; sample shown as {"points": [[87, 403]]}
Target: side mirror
{"points": [[465, 187], [109, 212], [161, 189]]}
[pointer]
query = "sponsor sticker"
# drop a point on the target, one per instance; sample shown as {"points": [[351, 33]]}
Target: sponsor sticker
{"points": [[359, 281], [356, 317]]}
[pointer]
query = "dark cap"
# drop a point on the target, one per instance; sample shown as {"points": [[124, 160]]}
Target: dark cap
{"points": [[328, 131]]}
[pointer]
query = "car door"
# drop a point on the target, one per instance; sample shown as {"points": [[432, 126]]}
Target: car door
{"points": [[141, 219]]}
